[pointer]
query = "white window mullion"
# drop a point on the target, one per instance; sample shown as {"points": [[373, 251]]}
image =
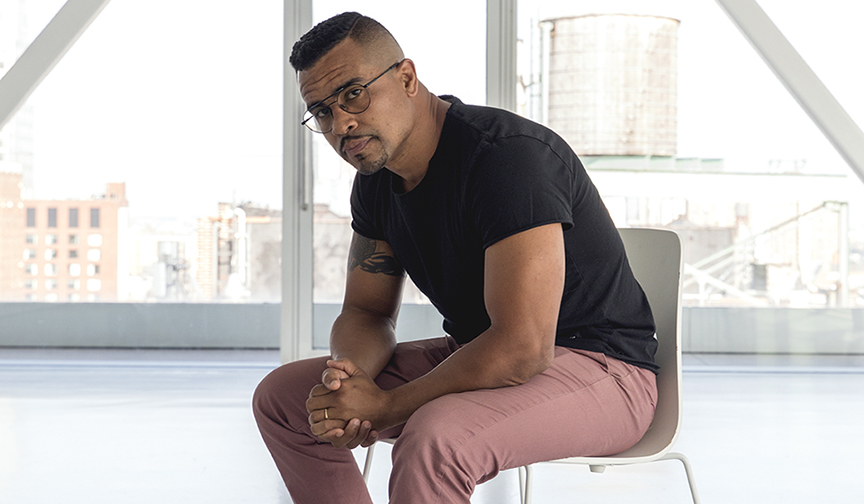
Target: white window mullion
{"points": [[297, 208], [501, 54]]}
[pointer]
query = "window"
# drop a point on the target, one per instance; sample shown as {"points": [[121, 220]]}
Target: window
{"points": [[75, 269], [31, 217], [32, 239], [73, 239], [92, 269], [74, 284], [50, 254], [50, 269], [94, 240], [94, 284], [51, 283], [73, 254], [71, 170], [32, 269], [94, 255], [50, 239], [52, 217], [31, 284], [29, 254]]}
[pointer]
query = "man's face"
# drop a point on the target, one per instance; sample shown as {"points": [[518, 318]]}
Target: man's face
{"points": [[365, 140]]}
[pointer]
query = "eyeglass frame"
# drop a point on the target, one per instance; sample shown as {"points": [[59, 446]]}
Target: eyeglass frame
{"points": [[320, 103]]}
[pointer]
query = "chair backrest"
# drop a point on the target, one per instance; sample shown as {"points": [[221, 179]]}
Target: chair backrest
{"points": [[655, 256]]}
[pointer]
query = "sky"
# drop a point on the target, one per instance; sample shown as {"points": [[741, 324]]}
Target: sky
{"points": [[181, 99]]}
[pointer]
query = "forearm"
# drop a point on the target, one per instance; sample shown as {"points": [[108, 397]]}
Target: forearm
{"points": [[489, 361], [367, 339]]}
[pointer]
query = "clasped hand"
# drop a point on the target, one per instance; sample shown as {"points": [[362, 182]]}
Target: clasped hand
{"points": [[347, 408]]}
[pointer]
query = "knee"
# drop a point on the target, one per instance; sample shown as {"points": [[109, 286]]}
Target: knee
{"points": [[281, 395], [265, 392]]}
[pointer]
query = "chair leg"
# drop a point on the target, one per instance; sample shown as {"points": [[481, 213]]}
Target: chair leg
{"points": [[687, 469], [525, 484], [368, 465]]}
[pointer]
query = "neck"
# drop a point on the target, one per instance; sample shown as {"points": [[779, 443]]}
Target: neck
{"points": [[421, 144]]}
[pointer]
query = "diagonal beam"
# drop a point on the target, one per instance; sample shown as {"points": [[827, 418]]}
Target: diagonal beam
{"points": [[799, 79], [45, 51]]}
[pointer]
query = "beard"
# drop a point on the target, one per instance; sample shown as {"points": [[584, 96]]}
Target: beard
{"points": [[366, 166], [370, 161]]}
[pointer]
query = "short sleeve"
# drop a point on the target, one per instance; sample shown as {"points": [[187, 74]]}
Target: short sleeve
{"points": [[519, 183], [363, 219]]}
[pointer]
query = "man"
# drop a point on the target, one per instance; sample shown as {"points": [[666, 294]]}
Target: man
{"points": [[550, 340]]}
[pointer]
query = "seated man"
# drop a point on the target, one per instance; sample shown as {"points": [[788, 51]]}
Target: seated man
{"points": [[550, 340]]}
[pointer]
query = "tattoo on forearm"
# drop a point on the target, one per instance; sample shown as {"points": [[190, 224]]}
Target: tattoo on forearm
{"points": [[363, 254]]}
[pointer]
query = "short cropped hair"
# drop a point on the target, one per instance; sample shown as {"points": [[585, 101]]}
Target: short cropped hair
{"points": [[318, 41]]}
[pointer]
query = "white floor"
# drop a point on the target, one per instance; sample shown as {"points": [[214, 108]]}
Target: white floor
{"points": [[126, 426]]}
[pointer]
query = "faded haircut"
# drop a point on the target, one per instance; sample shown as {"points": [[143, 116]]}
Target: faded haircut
{"points": [[324, 36]]}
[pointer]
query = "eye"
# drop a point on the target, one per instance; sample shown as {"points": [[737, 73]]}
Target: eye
{"points": [[352, 93], [320, 112]]}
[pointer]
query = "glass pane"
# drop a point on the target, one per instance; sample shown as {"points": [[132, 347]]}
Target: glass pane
{"points": [[158, 136], [682, 125], [446, 65]]}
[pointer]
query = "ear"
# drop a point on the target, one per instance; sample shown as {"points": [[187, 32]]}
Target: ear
{"points": [[408, 77]]}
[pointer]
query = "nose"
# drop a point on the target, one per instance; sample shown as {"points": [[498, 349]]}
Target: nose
{"points": [[343, 122]]}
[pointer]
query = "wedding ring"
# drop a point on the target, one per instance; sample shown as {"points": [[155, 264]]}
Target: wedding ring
{"points": [[325, 414]]}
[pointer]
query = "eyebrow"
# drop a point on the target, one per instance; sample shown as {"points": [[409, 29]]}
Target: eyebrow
{"points": [[350, 82]]}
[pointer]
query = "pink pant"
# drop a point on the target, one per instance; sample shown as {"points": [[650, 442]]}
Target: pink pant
{"points": [[585, 404]]}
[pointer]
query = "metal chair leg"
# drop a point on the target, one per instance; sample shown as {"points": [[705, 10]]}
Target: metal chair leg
{"points": [[688, 469], [368, 465], [525, 484]]}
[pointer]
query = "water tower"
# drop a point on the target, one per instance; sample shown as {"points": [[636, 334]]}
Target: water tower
{"points": [[611, 83]]}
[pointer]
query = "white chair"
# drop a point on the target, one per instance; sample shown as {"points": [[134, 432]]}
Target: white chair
{"points": [[656, 260]]}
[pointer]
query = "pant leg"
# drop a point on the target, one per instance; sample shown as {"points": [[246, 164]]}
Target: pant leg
{"points": [[585, 404], [316, 472]]}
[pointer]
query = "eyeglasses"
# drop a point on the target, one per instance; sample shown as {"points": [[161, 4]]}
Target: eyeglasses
{"points": [[353, 99]]}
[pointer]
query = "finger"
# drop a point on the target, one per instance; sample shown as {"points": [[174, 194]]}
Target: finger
{"points": [[319, 415], [345, 365], [319, 403], [331, 436], [319, 390], [371, 439], [331, 378], [362, 434], [332, 428], [351, 432]]}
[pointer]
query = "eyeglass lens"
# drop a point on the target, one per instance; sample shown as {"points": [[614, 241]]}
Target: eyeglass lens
{"points": [[354, 100]]}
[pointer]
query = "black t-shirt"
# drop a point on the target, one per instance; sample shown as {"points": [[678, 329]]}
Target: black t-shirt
{"points": [[495, 174]]}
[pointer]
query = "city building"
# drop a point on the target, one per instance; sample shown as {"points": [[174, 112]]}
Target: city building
{"points": [[239, 254], [67, 250], [163, 260]]}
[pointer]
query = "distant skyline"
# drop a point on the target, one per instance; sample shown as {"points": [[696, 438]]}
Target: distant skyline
{"points": [[167, 95]]}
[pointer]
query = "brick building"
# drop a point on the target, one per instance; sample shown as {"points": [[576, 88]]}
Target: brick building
{"points": [[63, 250]]}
